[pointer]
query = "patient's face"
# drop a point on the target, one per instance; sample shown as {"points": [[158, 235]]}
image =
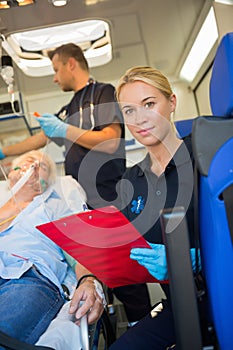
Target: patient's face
{"points": [[39, 173]]}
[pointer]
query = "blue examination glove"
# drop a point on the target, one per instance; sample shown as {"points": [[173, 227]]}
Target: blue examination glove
{"points": [[154, 260], [52, 126], [2, 155]]}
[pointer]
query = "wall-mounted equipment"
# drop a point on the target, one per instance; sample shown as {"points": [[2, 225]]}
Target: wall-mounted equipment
{"points": [[7, 71]]}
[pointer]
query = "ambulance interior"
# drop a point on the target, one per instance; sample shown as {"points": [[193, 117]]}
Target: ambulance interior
{"points": [[115, 35]]}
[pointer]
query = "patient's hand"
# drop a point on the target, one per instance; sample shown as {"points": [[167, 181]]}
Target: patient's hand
{"points": [[93, 303]]}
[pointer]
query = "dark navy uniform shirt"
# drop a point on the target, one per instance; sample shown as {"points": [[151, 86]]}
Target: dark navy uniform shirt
{"points": [[97, 172], [144, 195]]}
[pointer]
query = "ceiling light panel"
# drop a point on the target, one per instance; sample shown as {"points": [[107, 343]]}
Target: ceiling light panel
{"points": [[4, 5], [47, 38], [29, 49], [59, 2], [13, 3], [204, 42]]}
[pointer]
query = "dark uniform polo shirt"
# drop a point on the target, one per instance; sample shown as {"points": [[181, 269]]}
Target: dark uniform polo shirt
{"points": [[97, 172], [144, 195]]}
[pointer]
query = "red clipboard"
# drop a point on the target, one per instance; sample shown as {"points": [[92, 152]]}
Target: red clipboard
{"points": [[101, 240]]}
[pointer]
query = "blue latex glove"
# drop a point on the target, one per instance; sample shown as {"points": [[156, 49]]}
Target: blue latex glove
{"points": [[154, 260], [2, 155], [52, 126]]}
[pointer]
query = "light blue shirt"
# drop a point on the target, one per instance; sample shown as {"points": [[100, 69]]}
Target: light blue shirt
{"points": [[22, 245]]}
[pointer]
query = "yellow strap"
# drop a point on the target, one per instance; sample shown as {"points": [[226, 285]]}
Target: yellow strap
{"points": [[8, 219]]}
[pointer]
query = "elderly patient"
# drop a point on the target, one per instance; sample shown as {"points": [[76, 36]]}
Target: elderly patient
{"points": [[32, 267]]}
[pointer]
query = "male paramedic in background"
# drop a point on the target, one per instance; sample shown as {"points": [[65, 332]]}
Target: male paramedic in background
{"points": [[90, 122]]}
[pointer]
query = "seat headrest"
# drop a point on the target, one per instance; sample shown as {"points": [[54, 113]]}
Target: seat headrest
{"points": [[221, 82]]}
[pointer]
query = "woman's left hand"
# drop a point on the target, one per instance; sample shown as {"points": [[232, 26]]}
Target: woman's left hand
{"points": [[154, 260]]}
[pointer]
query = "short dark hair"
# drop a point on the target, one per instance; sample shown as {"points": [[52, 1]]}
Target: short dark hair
{"points": [[70, 50]]}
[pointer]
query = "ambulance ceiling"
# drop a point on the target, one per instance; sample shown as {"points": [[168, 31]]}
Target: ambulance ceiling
{"points": [[132, 32]]}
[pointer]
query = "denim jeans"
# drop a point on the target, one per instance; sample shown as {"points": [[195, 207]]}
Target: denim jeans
{"points": [[28, 305]]}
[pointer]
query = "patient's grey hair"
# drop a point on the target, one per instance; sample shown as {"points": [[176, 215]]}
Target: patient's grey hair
{"points": [[38, 155]]}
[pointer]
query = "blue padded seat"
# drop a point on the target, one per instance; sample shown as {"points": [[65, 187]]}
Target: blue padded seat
{"points": [[184, 127], [221, 83], [215, 239], [213, 150]]}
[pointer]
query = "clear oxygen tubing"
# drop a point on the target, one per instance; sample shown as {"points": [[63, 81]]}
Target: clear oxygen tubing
{"points": [[19, 184]]}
